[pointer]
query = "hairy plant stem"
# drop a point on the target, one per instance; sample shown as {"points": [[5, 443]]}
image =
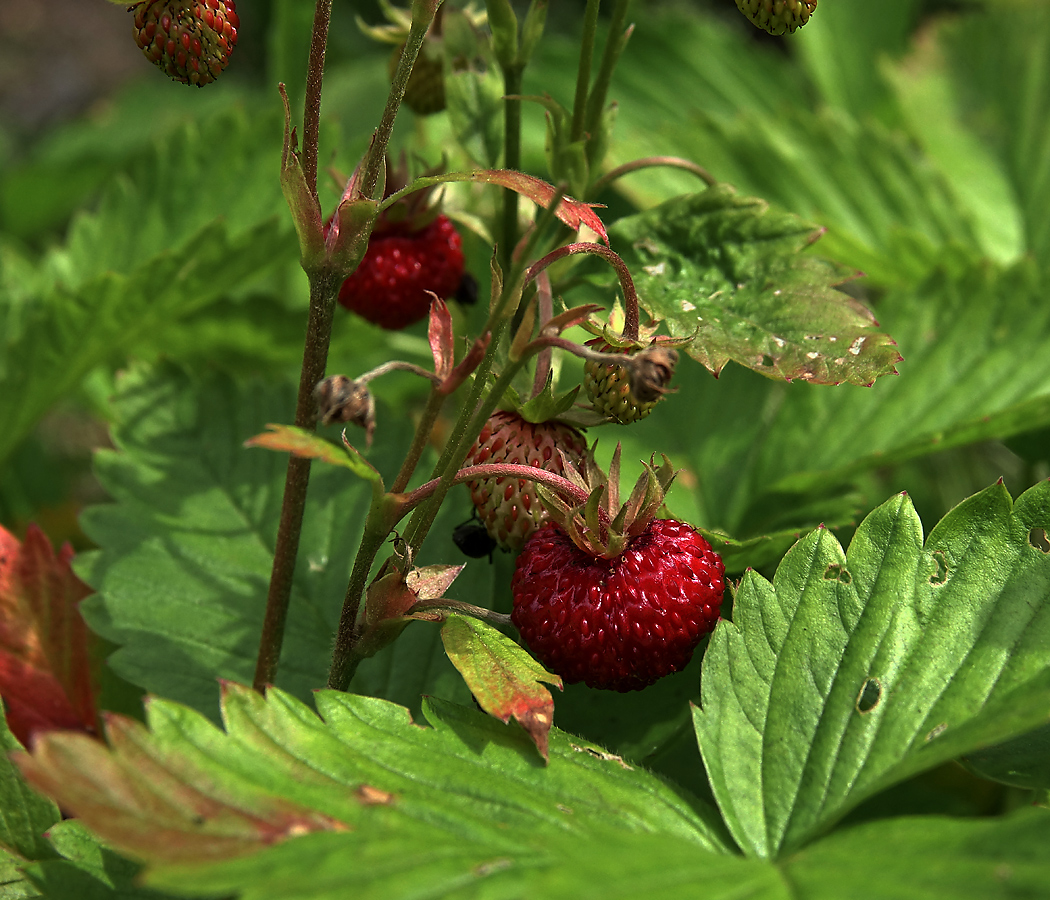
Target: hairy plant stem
{"points": [[376, 158], [426, 424], [324, 287], [344, 659], [314, 77], [614, 45]]}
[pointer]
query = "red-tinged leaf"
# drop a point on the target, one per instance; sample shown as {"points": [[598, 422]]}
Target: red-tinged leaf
{"points": [[441, 338], [46, 675], [300, 442], [155, 803], [573, 213], [502, 676]]}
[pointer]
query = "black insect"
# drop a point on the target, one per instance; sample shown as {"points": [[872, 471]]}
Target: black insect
{"points": [[473, 539], [467, 292]]}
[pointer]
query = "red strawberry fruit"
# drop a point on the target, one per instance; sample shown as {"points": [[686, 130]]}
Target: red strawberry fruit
{"points": [[191, 40], [509, 507], [623, 607], [401, 265]]}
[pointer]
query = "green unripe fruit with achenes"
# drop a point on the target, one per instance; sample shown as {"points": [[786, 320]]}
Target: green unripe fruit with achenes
{"points": [[777, 16]]}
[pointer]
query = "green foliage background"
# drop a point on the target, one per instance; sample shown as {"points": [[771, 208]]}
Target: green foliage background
{"points": [[149, 284]]}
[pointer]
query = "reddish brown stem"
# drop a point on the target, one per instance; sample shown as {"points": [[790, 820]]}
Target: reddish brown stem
{"points": [[630, 295]]}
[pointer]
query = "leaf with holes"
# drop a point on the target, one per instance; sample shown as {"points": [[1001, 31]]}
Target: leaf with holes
{"points": [[734, 272], [851, 672], [384, 804]]}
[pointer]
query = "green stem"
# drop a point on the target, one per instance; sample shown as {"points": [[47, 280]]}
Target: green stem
{"points": [[512, 78], [376, 158], [614, 44], [324, 287], [419, 441], [583, 73], [344, 659]]}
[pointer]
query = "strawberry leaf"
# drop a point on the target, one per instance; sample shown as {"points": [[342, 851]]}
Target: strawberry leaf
{"points": [[1023, 762], [187, 549], [307, 444], [385, 805], [732, 271], [927, 858], [146, 258], [851, 672], [503, 678], [47, 678]]}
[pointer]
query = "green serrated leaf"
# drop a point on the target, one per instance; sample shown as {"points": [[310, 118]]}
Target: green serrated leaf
{"points": [[386, 805], [928, 858], [853, 671], [731, 271], [145, 258], [24, 814], [186, 550]]}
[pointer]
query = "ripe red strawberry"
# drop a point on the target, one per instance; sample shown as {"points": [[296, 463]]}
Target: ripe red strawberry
{"points": [[508, 507], [191, 40], [620, 623], [610, 595], [401, 264]]}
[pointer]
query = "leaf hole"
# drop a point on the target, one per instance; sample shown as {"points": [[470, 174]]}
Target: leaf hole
{"points": [[870, 695], [837, 572], [1037, 538], [940, 576], [937, 731]]}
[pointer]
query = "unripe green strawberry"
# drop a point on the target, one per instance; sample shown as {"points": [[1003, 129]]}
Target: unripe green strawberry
{"points": [[509, 507], [191, 40], [777, 16], [425, 91], [609, 388]]}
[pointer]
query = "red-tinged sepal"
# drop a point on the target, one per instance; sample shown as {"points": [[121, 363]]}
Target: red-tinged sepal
{"points": [[47, 665], [441, 338], [502, 676], [390, 599]]}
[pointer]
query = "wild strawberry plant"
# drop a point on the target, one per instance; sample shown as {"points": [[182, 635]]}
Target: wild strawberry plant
{"points": [[807, 654]]}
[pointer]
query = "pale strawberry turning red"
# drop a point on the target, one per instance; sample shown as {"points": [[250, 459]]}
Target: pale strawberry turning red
{"points": [[400, 266], [509, 507]]}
